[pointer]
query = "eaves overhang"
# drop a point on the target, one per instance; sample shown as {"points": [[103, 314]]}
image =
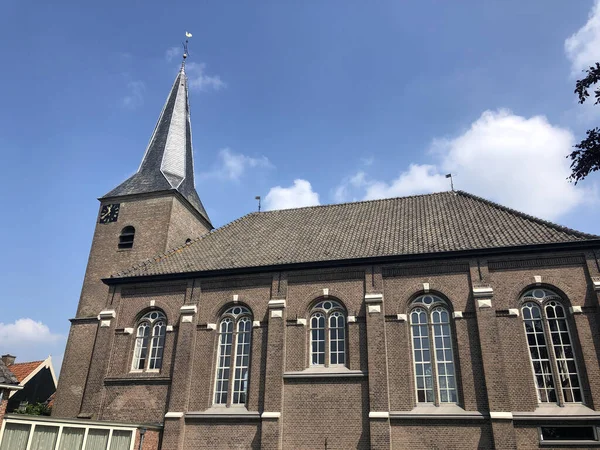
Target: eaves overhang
{"points": [[390, 259]]}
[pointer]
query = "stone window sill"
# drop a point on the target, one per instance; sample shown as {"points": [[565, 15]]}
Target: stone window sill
{"points": [[224, 412], [326, 372], [554, 413], [433, 412]]}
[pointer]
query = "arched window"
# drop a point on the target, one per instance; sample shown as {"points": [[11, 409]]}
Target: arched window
{"points": [[233, 360], [126, 237], [149, 342], [545, 321], [431, 335], [327, 334]]}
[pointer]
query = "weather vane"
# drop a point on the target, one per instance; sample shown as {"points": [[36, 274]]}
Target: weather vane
{"points": [[188, 35]]}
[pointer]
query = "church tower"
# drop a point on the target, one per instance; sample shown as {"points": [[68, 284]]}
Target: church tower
{"points": [[154, 210]]}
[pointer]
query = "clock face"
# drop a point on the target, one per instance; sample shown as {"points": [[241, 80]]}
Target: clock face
{"points": [[109, 213]]}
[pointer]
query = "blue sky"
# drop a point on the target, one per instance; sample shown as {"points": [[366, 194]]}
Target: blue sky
{"points": [[299, 102]]}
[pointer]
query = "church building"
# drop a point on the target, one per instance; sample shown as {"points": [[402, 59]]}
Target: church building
{"points": [[431, 321]]}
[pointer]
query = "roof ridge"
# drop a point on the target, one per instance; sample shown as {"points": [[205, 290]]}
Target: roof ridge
{"points": [[172, 251], [359, 202], [27, 362], [528, 216]]}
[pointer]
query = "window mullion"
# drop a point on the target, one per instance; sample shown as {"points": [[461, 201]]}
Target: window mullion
{"points": [[434, 362], [553, 363], [327, 341], [232, 364]]}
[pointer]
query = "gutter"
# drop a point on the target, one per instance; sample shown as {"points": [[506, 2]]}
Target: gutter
{"points": [[577, 245], [12, 387]]}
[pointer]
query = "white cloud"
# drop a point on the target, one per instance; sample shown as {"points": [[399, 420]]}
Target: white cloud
{"points": [[516, 161], [135, 97], [232, 166], [173, 52], [31, 340], [198, 80], [296, 196], [583, 47]]}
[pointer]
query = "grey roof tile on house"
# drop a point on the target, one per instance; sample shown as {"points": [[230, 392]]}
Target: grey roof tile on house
{"points": [[168, 164], [6, 376], [423, 224]]}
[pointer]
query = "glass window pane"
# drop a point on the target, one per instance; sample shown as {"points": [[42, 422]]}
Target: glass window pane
{"points": [[96, 439], [15, 436], [121, 440], [71, 438], [44, 438]]}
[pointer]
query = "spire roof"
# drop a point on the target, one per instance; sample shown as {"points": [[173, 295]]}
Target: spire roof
{"points": [[168, 163]]}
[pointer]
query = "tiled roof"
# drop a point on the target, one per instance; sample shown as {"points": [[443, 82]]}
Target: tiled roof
{"points": [[6, 375], [168, 164], [423, 224], [22, 370]]}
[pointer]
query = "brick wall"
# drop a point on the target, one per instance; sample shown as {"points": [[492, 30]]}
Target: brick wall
{"points": [[492, 363], [3, 404], [161, 222]]}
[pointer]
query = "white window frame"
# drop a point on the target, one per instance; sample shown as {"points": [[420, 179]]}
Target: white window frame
{"points": [[322, 308], [433, 303], [65, 424], [151, 323], [235, 314], [542, 297]]}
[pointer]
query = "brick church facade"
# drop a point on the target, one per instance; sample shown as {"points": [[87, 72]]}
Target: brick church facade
{"points": [[433, 321]]}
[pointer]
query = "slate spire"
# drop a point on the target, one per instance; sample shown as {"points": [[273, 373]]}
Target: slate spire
{"points": [[168, 163]]}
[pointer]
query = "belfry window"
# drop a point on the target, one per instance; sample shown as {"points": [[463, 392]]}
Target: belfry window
{"points": [[149, 342], [327, 334], [433, 355], [126, 238], [551, 349], [233, 356]]}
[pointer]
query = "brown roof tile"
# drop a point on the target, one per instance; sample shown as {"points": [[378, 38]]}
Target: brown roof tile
{"points": [[22, 370], [432, 223]]}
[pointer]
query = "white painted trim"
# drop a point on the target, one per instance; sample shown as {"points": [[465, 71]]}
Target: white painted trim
{"points": [[211, 326], [575, 309], [402, 317], [127, 330], [513, 312], [374, 309], [457, 314], [351, 319], [276, 303], [173, 415], [169, 328], [426, 288], [104, 323], [482, 291], [373, 298], [484, 303], [256, 324], [187, 318], [188, 309], [277, 313], [61, 425], [501, 415], [107, 314], [47, 363], [301, 322], [379, 415], [270, 415]]}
